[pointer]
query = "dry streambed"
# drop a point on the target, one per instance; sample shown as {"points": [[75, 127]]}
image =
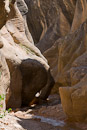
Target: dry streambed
{"points": [[49, 116]]}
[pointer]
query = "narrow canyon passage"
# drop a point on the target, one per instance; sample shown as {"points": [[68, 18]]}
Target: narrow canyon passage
{"points": [[47, 116], [43, 49]]}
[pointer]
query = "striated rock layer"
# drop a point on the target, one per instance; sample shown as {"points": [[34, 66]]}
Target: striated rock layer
{"points": [[48, 21], [61, 35]]}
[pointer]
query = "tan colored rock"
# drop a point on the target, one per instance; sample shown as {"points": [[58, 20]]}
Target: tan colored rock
{"points": [[70, 49], [62, 38], [23, 60], [58, 29], [51, 21], [45, 14], [80, 14], [74, 100], [1, 43], [4, 79], [73, 72]]}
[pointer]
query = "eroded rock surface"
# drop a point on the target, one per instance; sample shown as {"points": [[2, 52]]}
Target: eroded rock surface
{"points": [[24, 70], [59, 30], [62, 38], [51, 21]]}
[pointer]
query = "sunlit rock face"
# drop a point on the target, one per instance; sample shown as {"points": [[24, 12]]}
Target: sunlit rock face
{"points": [[59, 30], [61, 35], [24, 71]]}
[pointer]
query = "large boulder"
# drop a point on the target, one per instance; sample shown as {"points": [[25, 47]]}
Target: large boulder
{"points": [[74, 100], [26, 69]]}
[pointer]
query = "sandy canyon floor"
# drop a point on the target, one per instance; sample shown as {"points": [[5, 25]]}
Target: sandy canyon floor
{"points": [[46, 116]]}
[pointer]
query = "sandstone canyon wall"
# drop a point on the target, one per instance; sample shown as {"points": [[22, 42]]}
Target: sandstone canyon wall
{"points": [[60, 32], [24, 71]]}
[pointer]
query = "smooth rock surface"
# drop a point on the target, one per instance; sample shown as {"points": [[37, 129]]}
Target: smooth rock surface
{"points": [[23, 60]]}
